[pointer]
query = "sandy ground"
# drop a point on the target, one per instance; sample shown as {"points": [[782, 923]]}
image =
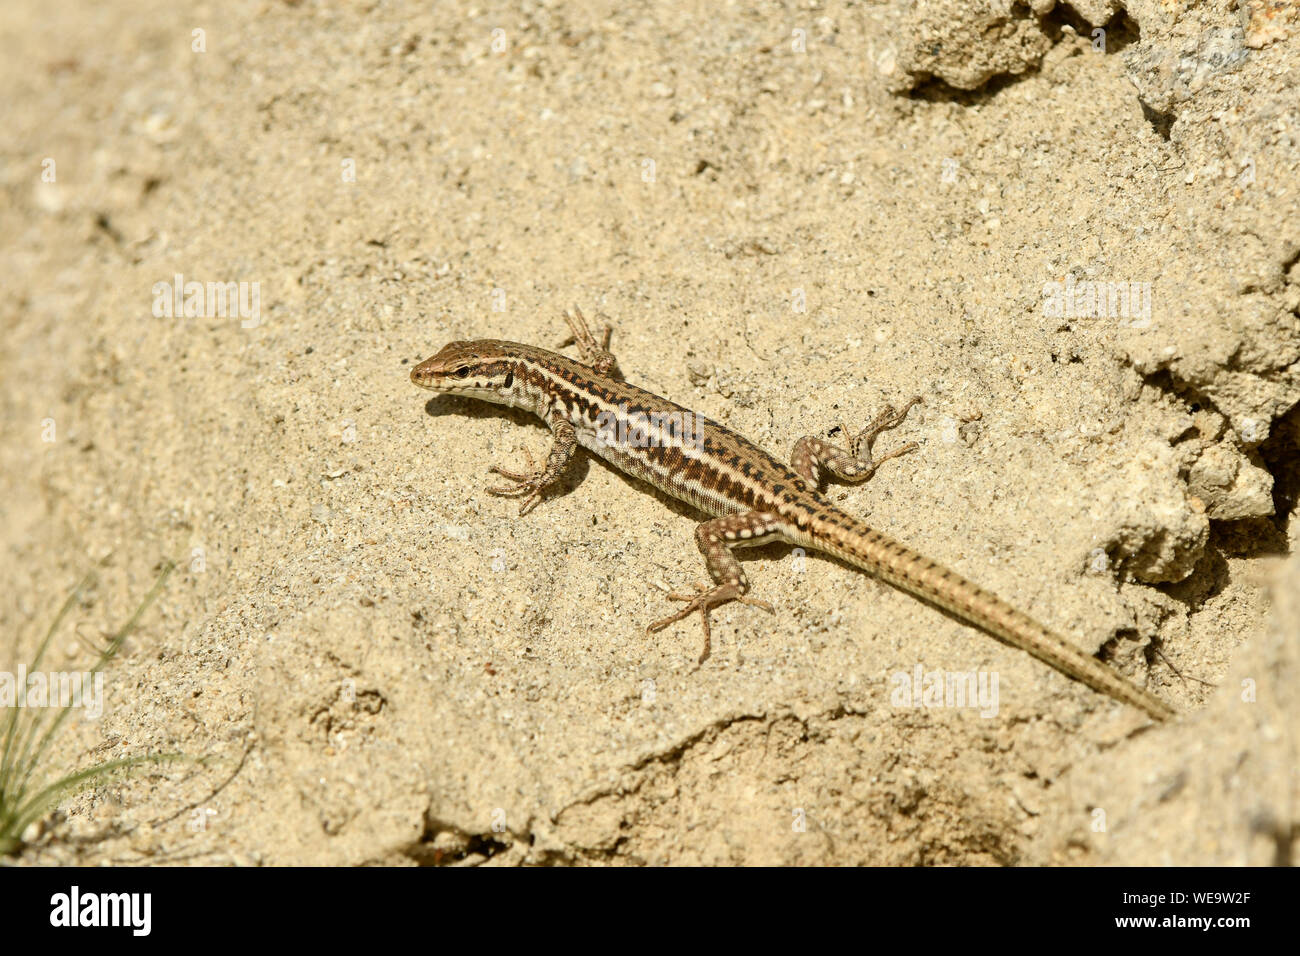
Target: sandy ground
{"points": [[791, 216]]}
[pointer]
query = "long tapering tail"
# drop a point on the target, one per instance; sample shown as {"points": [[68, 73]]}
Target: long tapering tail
{"points": [[899, 565]]}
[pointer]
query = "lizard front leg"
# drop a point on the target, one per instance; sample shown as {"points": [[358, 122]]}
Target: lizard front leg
{"points": [[812, 455], [530, 485], [595, 352], [715, 539]]}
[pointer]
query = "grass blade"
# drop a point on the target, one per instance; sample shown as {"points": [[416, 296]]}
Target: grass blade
{"points": [[25, 744]]}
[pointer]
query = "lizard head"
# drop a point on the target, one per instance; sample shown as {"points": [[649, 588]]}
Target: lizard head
{"points": [[480, 369]]}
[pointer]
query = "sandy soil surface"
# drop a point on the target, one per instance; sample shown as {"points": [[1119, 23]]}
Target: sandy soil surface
{"points": [[791, 216]]}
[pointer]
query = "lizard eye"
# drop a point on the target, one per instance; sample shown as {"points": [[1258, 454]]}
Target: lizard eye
{"points": [[462, 372]]}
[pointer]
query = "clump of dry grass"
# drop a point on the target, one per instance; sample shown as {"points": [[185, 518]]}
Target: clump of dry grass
{"points": [[26, 735]]}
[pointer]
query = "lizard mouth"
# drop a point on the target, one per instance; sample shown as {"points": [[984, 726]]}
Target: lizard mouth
{"points": [[422, 375]]}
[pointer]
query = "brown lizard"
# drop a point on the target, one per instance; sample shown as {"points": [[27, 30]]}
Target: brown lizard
{"points": [[753, 497]]}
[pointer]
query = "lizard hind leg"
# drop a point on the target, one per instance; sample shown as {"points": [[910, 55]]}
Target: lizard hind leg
{"points": [[887, 419], [715, 540], [812, 455]]}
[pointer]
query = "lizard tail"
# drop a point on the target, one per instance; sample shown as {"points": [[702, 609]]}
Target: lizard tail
{"points": [[894, 562]]}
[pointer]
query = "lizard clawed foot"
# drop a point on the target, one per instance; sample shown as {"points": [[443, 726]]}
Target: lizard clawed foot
{"points": [[705, 600], [888, 418], [528, 485], [595, 351], [909, 447]]}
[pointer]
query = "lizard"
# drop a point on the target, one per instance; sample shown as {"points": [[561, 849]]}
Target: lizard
{"points": [[751, 496]]}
